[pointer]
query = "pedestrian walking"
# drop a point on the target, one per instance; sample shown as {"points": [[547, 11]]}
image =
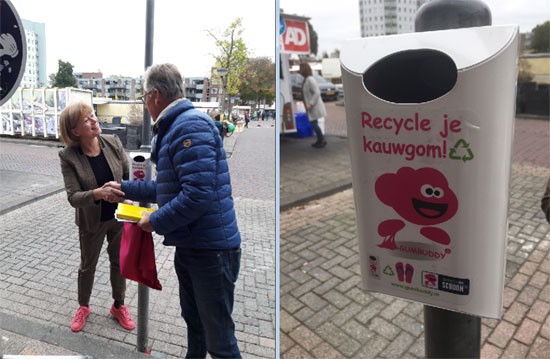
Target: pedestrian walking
{"points": [[314, 104], [246, 119], [196, 212], [89, 160]]}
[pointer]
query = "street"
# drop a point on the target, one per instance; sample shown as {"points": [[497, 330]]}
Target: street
{"points": [[39, 258]]}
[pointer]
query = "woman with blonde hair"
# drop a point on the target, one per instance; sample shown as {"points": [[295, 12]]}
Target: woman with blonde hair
{"points": [[89, 160]]}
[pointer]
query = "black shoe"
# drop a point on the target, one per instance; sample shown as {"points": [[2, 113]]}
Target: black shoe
{"points": [[320, 144]]}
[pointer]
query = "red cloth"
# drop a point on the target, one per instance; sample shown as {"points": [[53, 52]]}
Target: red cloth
{"points": [[137, 256]]}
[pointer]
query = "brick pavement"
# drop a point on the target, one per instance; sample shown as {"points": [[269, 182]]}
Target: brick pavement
{"points": [[39, 258], [324, 313]]}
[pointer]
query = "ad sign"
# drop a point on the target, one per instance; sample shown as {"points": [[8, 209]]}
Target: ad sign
{"points": [[430, 120], [294, 36]]}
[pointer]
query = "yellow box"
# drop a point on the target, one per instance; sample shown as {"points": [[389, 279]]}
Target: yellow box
{"points": [[129, 212]]}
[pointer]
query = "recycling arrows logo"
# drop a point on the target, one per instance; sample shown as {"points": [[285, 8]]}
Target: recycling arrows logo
{"points": [[388, 271], [461, 151]]}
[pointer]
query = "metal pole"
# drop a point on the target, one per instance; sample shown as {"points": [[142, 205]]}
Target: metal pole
{"points": [[143, 290], [149, 30], [450, 334], [222, 99]]}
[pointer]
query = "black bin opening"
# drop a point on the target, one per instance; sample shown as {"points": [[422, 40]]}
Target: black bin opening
{"points": [[411, 76]]}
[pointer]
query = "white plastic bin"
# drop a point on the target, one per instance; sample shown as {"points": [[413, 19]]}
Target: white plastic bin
{"points": [[430, 125]]}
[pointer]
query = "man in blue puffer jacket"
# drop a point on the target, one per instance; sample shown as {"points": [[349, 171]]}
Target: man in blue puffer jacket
{"points": [[196, 213]]}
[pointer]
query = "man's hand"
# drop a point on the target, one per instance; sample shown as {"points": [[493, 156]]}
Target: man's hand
{"points": [[144, 223], [111, 192], [112, 184]]}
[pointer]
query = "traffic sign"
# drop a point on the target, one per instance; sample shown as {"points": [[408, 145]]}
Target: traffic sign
{"points": [[13, 51]]}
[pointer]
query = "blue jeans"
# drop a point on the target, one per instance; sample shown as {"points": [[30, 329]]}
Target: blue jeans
{"points": [[206, 284], [315, 126]]}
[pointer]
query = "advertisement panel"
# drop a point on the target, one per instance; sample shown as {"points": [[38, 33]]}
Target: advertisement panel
{"points": [[294, 36], [35, 111], [430, 121], [294, 39]]}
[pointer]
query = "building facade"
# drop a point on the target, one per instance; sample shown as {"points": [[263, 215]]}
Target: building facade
{"points": [[115, 88], [197, 89], [35, 69], [387, 17]]}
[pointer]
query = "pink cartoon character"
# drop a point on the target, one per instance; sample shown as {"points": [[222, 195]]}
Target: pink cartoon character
{"points": [[422, 197]]}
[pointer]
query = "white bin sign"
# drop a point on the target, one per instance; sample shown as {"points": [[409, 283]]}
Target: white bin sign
{"points": [[140, 164], [430, 123]]}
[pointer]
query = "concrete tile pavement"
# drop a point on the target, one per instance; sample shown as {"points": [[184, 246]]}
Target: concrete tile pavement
{"points": [[39, 257], [324, 313]]}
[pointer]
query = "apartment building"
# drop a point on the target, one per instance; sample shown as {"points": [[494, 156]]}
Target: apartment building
{"points": [[35, 69], [116, 88], [197, 89], [387, 17]]}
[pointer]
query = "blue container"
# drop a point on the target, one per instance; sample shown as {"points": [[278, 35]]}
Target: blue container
{"points": [[302, 126]]}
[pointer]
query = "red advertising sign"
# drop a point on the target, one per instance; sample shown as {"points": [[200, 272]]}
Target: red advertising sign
{"points": [[294, 37]]}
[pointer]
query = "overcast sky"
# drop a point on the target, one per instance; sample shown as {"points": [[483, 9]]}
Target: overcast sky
{"points": [[109, 35], [336, 21]]}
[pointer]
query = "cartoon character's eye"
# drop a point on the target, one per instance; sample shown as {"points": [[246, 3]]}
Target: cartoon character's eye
{"points": [[427, 190], [438, 192]]}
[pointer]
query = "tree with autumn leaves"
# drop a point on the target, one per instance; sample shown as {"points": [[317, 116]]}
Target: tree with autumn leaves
{"points": [[232, 55], [258, 81], [253, 79]]}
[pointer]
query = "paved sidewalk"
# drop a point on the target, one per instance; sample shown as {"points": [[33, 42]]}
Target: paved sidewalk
{"points": [[39, 256], [307, 173], [325, 314]]}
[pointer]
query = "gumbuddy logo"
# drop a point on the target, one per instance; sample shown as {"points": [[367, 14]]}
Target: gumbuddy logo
{"points": [[421, 197], [423, 252]]}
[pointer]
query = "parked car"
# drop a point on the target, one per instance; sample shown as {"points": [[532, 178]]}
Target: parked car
{"points": [[327, 88]]}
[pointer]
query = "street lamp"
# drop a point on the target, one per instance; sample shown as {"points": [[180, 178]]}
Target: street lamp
{"points": [[222, 72]]}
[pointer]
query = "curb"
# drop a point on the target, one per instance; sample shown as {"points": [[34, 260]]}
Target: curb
{"points": [[63, 337], [32, 200], [321, 192]]}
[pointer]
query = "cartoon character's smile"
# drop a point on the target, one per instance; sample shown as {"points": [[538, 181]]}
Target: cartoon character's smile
{"points": [[429, 209]]}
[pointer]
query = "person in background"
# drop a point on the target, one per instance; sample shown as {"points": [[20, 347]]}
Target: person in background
{"points": [[246, 119], [196, 212], [89, 160], [220, 125], [314, 104], [545, 202]]}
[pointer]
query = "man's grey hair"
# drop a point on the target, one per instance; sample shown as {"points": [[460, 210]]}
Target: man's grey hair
{"points": [[166, 78]]}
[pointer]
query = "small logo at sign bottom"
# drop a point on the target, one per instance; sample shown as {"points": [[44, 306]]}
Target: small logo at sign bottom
{"points": [[445, 283]]}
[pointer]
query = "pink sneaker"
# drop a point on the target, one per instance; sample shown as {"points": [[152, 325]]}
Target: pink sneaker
{"points": [[121, 314], [80, 318]]}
